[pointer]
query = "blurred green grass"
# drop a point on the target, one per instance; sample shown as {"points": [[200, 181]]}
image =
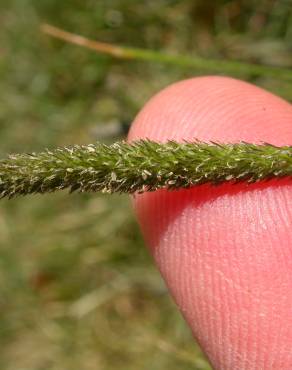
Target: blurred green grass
{"points": [[78, 289]]}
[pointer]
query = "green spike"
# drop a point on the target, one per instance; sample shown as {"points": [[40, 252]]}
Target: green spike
{"points": [[141, 166]]}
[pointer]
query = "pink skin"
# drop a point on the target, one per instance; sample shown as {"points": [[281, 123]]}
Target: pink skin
{"points": [[225, 252]]}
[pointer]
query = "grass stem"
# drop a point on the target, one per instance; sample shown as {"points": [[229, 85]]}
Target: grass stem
{"points": [[201, 65]]}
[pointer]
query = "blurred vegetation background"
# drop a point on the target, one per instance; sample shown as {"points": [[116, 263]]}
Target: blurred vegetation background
{"points": [[78, 289]]}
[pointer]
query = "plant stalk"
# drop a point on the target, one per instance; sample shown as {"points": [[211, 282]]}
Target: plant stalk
{"points": [[205, 65]]}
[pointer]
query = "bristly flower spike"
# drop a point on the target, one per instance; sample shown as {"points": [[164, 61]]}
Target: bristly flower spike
{"points": [[141, 166]]}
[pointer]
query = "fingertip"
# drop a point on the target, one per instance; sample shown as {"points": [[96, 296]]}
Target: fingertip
{"points": [[225, 252]]}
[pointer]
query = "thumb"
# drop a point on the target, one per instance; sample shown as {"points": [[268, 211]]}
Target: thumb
{"points": [[225, 252]]}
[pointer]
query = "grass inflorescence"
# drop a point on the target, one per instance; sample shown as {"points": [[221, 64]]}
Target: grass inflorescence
{"points": [[141, 166]]}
